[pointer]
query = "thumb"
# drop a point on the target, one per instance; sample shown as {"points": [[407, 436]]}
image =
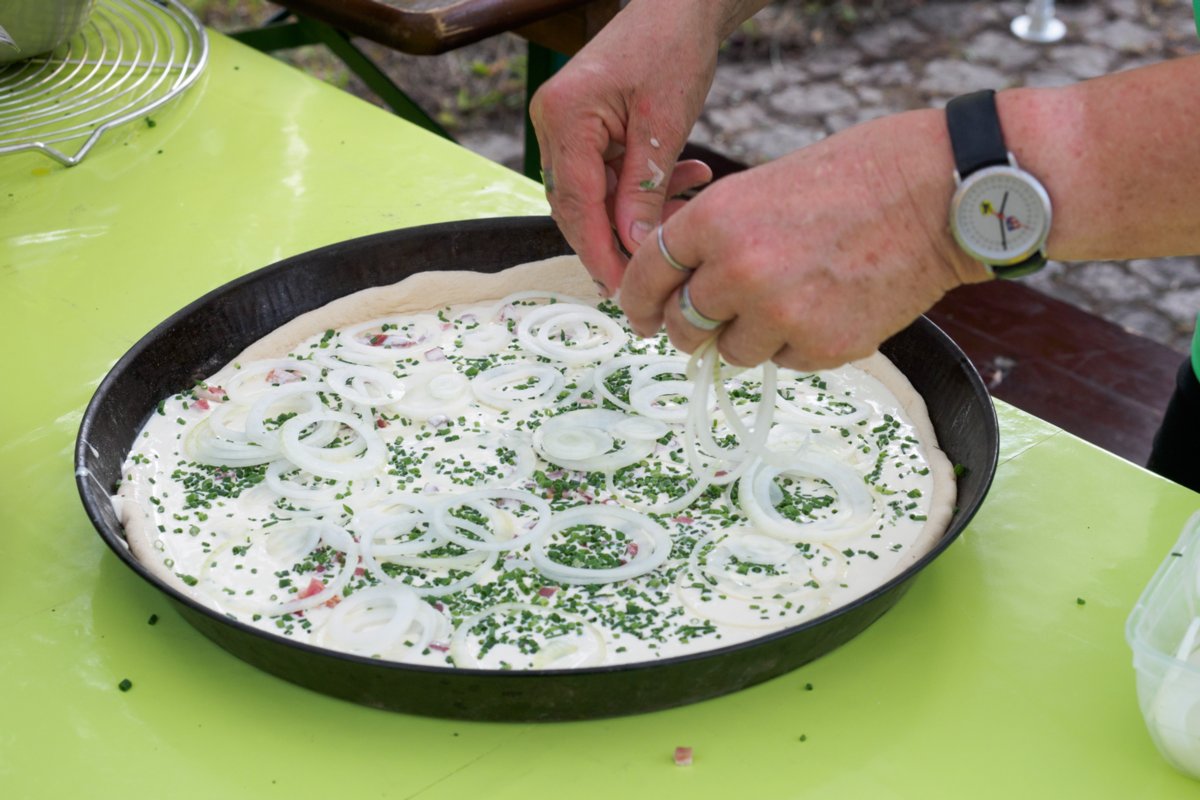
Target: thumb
{"points": [[642, 189]]}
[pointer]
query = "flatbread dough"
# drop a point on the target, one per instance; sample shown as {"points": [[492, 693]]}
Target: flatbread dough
{"points": [[430, 291]]}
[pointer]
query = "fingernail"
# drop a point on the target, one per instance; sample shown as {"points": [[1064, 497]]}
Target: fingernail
{"points": [[601, 288], [639, 230]]}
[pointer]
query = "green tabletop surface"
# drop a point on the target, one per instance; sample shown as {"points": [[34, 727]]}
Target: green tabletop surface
{"points": [[1003, 673]]}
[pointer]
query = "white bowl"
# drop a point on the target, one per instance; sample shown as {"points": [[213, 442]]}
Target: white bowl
{"points": [[33, 27]]}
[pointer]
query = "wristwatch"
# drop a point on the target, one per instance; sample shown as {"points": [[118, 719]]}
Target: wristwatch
{"points": [[1000, 214]]}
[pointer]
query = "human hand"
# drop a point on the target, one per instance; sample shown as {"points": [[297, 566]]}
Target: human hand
{"points": [[612, 123], [814, 259]]}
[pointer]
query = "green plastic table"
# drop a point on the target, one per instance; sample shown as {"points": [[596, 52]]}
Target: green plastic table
{"points": [[988, 680]]}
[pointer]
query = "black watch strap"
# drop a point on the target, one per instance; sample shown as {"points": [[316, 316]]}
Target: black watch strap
{"points": [[975, 134], [1021, 268]]}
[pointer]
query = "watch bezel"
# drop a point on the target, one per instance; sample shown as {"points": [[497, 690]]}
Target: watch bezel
{"points": [[1014, 171]]}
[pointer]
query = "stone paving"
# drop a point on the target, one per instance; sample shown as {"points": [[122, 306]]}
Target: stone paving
{"points": [[757, 111]]}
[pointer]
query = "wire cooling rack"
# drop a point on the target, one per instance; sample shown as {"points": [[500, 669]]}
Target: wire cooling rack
{"points": [[130, 58]]}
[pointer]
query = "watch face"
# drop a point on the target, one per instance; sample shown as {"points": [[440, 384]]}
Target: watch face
{"points": [[1000, 215]]}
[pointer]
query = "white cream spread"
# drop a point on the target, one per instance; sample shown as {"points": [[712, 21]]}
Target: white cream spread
{"points": [[524, 484]]}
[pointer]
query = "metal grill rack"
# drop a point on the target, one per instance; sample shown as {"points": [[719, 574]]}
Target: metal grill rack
{"points": [[131, 57]]}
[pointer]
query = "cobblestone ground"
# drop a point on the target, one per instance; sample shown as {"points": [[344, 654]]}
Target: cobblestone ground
{"points": [[759, 110]]}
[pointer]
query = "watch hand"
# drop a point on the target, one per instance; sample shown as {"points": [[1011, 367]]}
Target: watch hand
{"points": [[1000, 219]]}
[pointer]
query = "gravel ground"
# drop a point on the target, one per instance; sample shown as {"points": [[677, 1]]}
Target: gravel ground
{"points": [[800, 71]]}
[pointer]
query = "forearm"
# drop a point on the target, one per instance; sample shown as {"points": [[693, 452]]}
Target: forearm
{"points": [[1120, 158]]}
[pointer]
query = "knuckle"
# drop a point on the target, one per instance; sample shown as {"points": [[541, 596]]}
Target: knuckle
{"points": [[551, 94], [682, 337], [734, 355]]}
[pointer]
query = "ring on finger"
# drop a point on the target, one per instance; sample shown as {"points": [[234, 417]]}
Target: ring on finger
{"points": [[693, 316], [666, 254]]}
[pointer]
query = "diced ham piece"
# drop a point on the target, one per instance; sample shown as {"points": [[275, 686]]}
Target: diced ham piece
{"points": [[314, 587], [281, 376], [435, 354], [632, 550], [213, 394], [683, 756], [201, 404], [441, 648], [381, 423], [547, 591], [390, 341]]}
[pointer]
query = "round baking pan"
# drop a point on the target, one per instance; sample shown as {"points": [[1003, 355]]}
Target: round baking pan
{"points": [[208, 333]]}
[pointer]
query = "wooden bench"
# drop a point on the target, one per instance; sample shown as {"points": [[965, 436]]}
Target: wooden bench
{"points": [[554, 29]]}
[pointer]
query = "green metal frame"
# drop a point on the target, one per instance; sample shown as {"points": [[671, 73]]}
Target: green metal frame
{"points": [[288, 30], [282, 35], [541, 64]]}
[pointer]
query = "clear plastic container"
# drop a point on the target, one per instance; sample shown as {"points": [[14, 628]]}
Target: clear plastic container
{"points": [[1164, 632]]}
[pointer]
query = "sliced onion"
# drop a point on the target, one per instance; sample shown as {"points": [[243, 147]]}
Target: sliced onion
{"points": [[595, 335], [432, 390], [800, 408], [399, 515], [854, 512], [653, 549], [476, 447], [411, 336], [640, 428], [259, 376], [797, 571], [649, 400], [480, 565], [320, 494], [582, 650], [499, 386], [507, 308], [228, 421], [727, 603], [294, 398], [375, 621], [288, 543], [614, 365], [203, 447], [365, 456], [367, 386], [502, 534], [582, 440], [485, 341]]}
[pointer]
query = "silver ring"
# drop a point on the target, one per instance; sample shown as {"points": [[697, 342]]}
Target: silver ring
{"points": [[670, 259], [694, 317]]}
